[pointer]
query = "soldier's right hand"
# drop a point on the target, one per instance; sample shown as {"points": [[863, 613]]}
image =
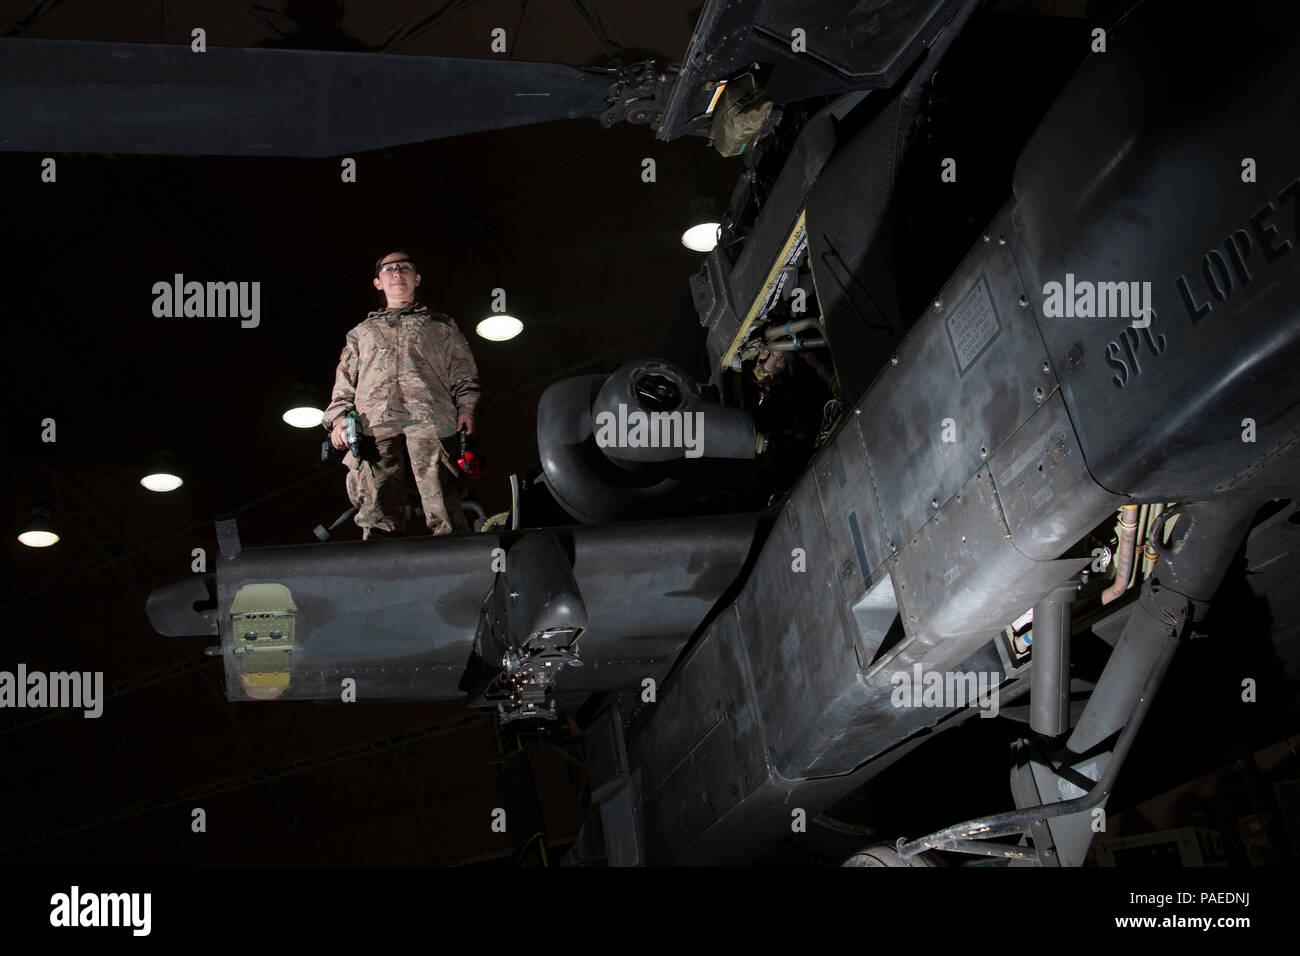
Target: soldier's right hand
{"points": [[337, 437]]}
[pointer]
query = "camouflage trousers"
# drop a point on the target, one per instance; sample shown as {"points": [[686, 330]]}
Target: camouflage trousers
{"points": [[378, 488]]}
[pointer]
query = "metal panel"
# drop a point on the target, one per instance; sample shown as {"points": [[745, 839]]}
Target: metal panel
{"points": [[874, 613], [977, 361], [854, 530], [702, 747], [808, 655], [400, 616], [851, 250], [960, 580], [1043, 485], [623, 839], [771, 709], [606, 752], [396, 616], [1159, 411], [802, 646], [613, 788], [647, 587], [170, 608]]}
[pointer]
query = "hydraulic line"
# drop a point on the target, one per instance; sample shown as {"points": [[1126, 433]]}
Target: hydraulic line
{"points": [[1128, 523]]}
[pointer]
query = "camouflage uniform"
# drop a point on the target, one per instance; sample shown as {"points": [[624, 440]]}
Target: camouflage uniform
{"points": [[407, 373]]}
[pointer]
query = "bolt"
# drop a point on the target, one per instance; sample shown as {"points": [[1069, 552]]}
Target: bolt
{"points": [[934, 502], [984, 452], [1024, 303], [893, 360], [1002, 240], [1038, 395], [847, 570], [986, 237], [1046, 368], [938, 304]]}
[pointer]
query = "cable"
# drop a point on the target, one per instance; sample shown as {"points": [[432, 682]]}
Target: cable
{"points": [[1156, 530]]}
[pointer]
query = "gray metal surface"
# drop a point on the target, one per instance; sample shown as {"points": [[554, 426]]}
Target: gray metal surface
{"points": [[529, 632], [960, 580], [1025, 793], [399, 616], [614, 790], [543, 595], [77, 96], [1044, 486], [170, 608], [702, 748], [647, 586], [580, 477], [1049, 702], [975, 361], [718, 431], [803, 649], [850, 248], [887, 506], [854, 524], [1148, 195]]}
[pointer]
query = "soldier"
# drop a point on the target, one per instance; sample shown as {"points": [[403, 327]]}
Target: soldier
{"points": [[409, 375]]}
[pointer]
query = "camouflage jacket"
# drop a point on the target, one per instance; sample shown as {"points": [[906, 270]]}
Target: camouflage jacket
{"points": [[405, 365]]}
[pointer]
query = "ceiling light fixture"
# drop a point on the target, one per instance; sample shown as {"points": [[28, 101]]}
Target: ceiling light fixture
{"points": [[39, 532], [701, 237], [304, 408], [162, 473], [499, 328], [704, 222]]}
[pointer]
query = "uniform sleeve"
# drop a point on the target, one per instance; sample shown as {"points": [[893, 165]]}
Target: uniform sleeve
{"points": [[462, 373], [343, 398]]}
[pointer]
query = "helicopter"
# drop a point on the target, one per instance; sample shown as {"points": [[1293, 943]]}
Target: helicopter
{"points": [[901, 518]]}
